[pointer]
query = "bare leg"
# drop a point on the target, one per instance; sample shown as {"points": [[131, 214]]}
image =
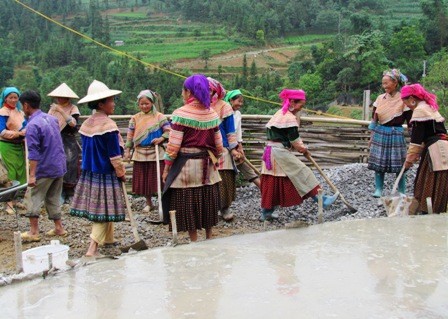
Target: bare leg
{"points": [[257, 182], [208, 233], [34, 226], [193, 235], [58, 227], [93, 249]]}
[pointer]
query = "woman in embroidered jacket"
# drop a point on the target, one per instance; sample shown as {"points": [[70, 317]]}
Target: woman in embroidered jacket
{"points": [[99, 194], [429, 143], [285, 180], [147, 129], [68, 117], [387, 143], [12, 134], [236, 100], [190, 175], [227, 167]]}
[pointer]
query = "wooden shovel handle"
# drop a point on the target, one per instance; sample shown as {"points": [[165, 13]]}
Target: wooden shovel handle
{"points": [[308, 156], [252, 166], [131, 215], [159, 186]]}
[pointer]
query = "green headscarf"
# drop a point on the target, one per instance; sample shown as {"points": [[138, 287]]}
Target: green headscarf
{"points": [[232, 94]]}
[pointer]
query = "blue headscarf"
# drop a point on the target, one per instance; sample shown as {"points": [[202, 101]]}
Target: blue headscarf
{"points": [[197, 84], [7, 91]]}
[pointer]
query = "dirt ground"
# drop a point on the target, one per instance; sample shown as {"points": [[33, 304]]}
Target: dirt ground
{"points": [[79, 230]]}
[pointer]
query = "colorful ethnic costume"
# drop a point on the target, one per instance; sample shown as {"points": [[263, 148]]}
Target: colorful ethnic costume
{"points": [[98, 194], [143, 128], [70, 140], [192, 185], [12, 120], [429, 143], [285, 180], [247, 172], [388, 145], [226, 166]]}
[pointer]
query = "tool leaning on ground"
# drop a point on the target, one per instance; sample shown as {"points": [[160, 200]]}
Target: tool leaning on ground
{"points": [[159, 189], [139, 243], [399, 204], [252, 166], [332, 186]]}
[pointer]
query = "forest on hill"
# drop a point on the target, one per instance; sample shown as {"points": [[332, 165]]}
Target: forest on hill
{"points": [[333, 49]]}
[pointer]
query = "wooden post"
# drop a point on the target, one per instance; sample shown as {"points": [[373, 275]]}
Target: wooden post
{"points": [[429, 204], [365, 105], [18, 249], [173, 226], [50, 261], [320, 204]]}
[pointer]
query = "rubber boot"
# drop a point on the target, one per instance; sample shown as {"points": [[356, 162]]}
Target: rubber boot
{"points": [[402, 184], [379, 184], [266, 214]]}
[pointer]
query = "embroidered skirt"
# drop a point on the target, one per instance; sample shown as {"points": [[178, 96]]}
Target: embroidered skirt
{"points": [[388, 149], [280, 191], [99, 198], [196, 207], [144, 177], [431, 184]]}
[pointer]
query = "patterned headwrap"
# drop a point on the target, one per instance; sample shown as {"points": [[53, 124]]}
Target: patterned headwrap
{"points": [[198, 85], [231, 94], [419, 92], [7, 91], [216, 87], [396, 75], [288, 94], [148, 93]]}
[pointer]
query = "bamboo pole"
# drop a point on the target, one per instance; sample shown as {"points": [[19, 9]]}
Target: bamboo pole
{"points": [[18, 250]]}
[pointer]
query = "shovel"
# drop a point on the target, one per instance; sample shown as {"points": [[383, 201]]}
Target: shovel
{"points": [[399, 204], [350, 207], [252, 166], [139, 243], [159, 190]]}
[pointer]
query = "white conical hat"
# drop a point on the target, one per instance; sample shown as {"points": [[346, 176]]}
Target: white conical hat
{"points": [[63, 90], [97, 91]]}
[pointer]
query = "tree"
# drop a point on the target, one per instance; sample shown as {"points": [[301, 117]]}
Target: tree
{"points": [[6, 63], [205, 55], [435, 24], [407, 50], [437, 80]]}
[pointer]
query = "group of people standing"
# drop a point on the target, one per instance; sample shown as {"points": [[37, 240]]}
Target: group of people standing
{"points": [[203, 154]]}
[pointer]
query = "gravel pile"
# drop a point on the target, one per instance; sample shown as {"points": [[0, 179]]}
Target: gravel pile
{"points": [[354, 181]]}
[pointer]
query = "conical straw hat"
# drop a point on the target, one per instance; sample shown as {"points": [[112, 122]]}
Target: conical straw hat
{"points": [[97, 91], [63, 90]]}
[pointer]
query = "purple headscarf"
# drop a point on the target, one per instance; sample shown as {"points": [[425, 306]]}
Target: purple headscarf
{"points": [[198, 85]]}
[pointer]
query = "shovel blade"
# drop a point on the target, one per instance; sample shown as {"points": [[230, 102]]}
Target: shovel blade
{"points": [[138, 246], [399, 205]]}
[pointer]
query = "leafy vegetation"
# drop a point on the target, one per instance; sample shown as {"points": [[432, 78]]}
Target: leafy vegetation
{"points": [[338, 47]]}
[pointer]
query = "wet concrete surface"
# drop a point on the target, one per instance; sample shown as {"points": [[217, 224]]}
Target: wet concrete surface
{"points": [[378, 268]]}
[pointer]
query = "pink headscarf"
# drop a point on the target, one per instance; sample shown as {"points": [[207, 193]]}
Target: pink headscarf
{"points": [[288, 94], [419, 92], [217, 87]]}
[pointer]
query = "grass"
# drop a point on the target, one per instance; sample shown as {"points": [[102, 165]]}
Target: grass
{"points": [[169, 52]]}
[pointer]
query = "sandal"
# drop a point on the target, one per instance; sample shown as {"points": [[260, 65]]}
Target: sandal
{"points": [[26, 237], [53, 233], [10, 211]]}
